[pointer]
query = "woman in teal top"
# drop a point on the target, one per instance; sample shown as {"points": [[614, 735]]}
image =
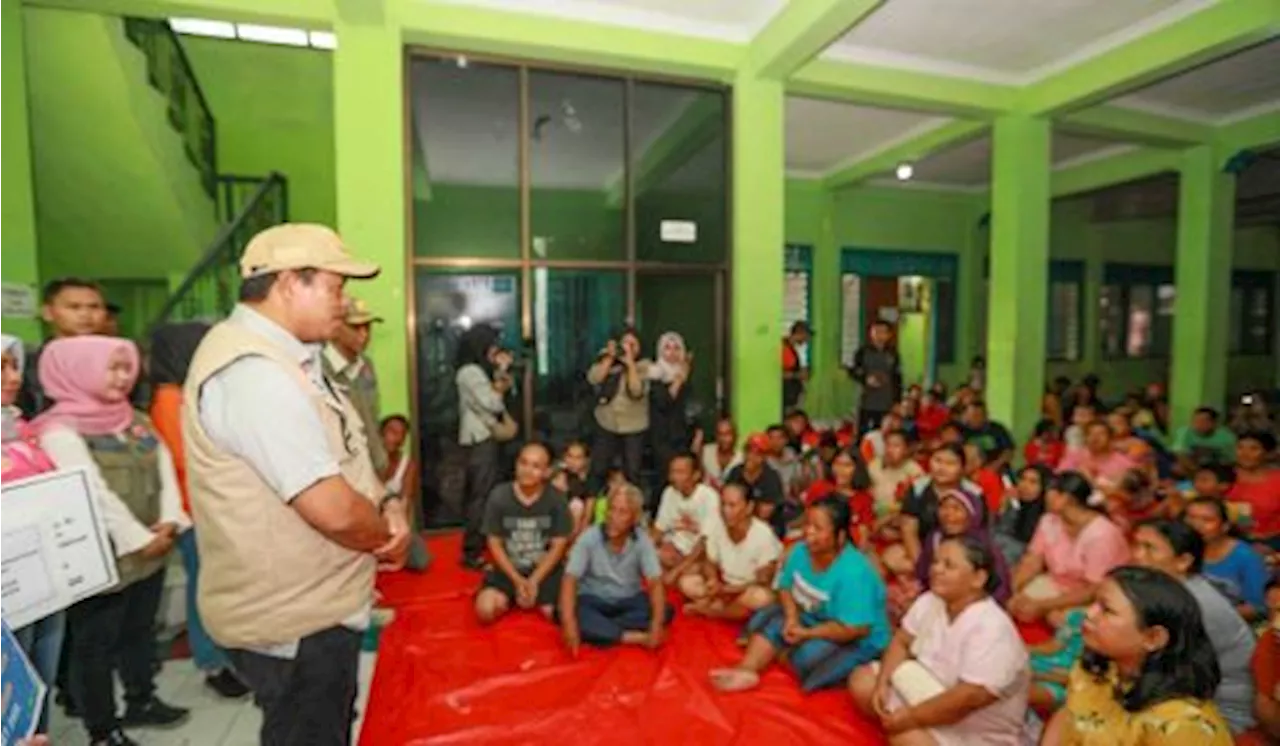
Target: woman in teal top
{"points": [[830, 616]]}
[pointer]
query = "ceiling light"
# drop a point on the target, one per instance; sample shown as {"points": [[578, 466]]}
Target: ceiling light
{"points": [[324, 40], [904, 171], [201, 27], [462, 62], [294, 37]]}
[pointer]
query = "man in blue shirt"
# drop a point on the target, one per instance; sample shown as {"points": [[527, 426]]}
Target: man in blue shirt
{"points": [[602, 596]]}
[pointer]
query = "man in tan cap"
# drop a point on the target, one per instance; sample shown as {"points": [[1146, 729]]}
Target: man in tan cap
{"points": [[345, 362], [292, 518]]}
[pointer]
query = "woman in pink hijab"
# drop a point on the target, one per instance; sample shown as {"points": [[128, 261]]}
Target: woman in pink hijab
{"points": [[93, 425]]}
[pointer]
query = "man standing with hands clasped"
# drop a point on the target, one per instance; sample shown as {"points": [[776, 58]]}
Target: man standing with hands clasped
{"points": [[293, 520], [878, 369]]}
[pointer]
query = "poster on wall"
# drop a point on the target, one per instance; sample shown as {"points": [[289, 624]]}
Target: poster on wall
{"points": [[850, 317]]}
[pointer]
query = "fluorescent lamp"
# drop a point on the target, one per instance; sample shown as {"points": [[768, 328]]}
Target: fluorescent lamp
{"points": [[294, 37], [904, 171], [202, 27], [324, 40]]}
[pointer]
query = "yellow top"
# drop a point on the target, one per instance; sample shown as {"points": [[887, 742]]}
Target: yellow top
{"points": [[1096, 718]]}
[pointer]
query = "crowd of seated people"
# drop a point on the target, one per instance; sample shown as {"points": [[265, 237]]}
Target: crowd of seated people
{"points": [[911, 563]]}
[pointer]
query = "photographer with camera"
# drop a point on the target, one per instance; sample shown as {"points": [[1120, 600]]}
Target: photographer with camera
{"points": [[621, 382], [483, 380]]}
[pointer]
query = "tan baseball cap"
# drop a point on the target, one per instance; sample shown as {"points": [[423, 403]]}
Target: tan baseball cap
{"points": [[301, 246], [357, 313]]}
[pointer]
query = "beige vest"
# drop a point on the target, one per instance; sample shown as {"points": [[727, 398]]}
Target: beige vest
{"points": [[267, 576]]}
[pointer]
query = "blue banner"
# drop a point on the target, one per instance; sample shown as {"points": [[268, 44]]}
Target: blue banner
{"points": [[23, 691]]}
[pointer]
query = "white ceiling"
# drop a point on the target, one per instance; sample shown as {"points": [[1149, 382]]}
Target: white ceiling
{"points": [[1242, 82], [1012, 41], [821, 135], [969, 164]]}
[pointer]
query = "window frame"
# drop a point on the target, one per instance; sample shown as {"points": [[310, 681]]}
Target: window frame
{"points": [[1247, 280], [1126, 278]]}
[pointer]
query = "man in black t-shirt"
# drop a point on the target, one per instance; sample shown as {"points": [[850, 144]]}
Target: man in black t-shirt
{"points": [[992, 437], [762, 482], [527, 526]]}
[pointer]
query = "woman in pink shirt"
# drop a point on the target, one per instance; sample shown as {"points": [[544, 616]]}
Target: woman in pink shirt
{"points": [[1073, 549], [1098, 460], [956, 672], [20, 457]]}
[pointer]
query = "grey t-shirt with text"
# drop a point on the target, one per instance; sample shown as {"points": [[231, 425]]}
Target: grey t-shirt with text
{"points": [[526, 530]]}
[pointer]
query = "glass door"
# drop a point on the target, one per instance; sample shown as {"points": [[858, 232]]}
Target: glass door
{"points": [[449, 303], [692, 305]]}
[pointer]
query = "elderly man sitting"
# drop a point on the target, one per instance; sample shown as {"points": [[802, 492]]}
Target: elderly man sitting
{"points": [[602, 596]]}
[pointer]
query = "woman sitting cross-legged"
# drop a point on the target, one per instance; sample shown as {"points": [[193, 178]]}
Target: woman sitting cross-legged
{"points": [[740, 558], [830, 616], [1073, 548], [956, 672], [602, 595], [1148, 673]]}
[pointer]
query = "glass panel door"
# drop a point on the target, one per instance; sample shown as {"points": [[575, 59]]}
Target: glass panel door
{"points": [[690, 304], [449, 303], [575, 312]]}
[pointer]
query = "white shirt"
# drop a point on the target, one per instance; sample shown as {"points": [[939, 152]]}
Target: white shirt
{"points": [[739, 561], [683, 519], [67, 449], [711, 471], [479, 405]]}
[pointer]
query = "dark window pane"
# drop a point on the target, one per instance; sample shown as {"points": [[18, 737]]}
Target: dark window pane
{"points": [[465, 159], [695, 318], [577, 187], [946, 318], [678, 172]]}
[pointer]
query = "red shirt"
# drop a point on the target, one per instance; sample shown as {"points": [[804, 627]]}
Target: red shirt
{"points": [[992, 488], [1263, 496], [1047, 454], [929, 420], [862, 511]]}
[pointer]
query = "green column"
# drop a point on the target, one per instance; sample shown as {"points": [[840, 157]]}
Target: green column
{"points": [[1019, 271], [757, 266], [369, 137], [18, 216], [1202, 273]]}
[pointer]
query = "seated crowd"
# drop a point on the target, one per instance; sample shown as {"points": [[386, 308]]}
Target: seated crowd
{"points": [[1117, 588]]}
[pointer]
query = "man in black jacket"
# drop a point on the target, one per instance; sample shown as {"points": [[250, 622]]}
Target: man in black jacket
{"points": [[878, 369]]}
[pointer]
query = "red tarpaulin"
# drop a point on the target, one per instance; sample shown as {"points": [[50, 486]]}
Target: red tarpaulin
{"points": [[442, 679]]}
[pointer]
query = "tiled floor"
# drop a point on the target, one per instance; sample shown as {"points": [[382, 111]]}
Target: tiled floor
{"points": [[214, 721]]}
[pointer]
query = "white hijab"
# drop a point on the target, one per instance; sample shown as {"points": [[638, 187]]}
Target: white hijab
{"points": [[662, 370], [11, 345]]}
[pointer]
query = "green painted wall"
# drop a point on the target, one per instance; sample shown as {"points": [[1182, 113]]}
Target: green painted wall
{"points": [[115, 194], [18, 220], [273, 107]]}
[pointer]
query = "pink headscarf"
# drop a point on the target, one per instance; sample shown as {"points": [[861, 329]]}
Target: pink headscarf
{"points": [[73, 373]]}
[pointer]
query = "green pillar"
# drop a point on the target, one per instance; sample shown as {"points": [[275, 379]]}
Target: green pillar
{"points": [[1202, 274], [368, 71], [18, 215], [1019, 271], [757, 266]]}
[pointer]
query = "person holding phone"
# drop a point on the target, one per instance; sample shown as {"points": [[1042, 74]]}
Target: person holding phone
{"points": [[621, 380]]}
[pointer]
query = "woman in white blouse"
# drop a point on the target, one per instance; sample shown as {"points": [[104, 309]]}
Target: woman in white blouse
{"points": [[93, 424]]}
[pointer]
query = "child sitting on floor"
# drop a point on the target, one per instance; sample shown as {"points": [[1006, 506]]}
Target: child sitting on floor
{"points": [[1051, 660]]}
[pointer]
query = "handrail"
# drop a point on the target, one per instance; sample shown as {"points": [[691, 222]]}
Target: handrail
{"points": [[220, 263], [171, 72]]}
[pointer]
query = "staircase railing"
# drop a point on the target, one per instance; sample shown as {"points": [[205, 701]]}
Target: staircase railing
{"points": [[210, 290], [171, 73]]}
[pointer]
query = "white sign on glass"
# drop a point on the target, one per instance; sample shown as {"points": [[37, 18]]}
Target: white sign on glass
{"points": [[55, 547], [17, 301], [678, 231]]}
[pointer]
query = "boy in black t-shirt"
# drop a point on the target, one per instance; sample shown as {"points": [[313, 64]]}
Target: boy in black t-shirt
{"points": [[527, 527]]}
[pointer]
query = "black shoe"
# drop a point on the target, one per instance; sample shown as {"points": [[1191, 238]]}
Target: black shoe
{"points": [[226, 684], [155, 714], [116, 738]]}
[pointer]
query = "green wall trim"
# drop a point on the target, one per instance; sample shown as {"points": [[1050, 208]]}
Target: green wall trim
{"points": [[873, 85], [1114, 169], [1136, 126], [450, 26], [314, 14], [912, 149], [1221, 28], [799, 32], [1258, 131]]}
